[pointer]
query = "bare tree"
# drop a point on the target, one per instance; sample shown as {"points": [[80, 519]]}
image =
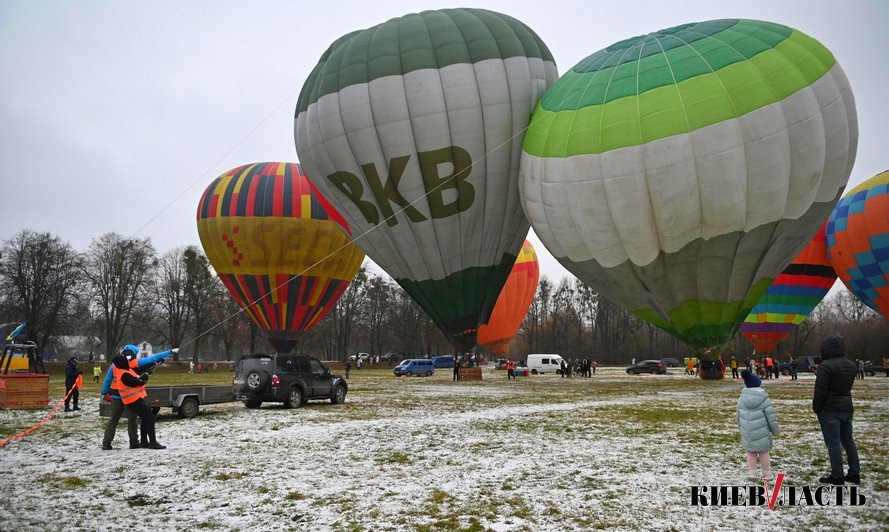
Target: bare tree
{"points": [[171, 294], [38, 276], [200, 289], [232, 322], [118, 271], [346, 314], [378, 299]]}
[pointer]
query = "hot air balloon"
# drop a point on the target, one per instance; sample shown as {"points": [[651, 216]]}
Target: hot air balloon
{"points": [[413, 130], [791, 297], [679, 172], [512, 304], [281, 250], [858, 242]]}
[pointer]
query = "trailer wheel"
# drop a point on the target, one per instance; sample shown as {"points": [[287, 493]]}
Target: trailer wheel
{"points": [[189, 408]]}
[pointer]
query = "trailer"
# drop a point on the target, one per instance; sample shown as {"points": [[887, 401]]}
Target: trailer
{"points": [[185, 400]]}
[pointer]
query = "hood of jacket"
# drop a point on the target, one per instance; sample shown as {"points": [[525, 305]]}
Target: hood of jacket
{"points": [[752, 398]]}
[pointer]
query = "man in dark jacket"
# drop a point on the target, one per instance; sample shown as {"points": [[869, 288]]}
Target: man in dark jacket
{"points": [[71, 374], [832, 402]]}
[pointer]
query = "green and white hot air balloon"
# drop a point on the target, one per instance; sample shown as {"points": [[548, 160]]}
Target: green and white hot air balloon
{"points": [[679, 172], [413, 129]]}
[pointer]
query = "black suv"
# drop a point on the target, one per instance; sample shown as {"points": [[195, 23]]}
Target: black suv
{"points": [[288, 379], [647, 366]]}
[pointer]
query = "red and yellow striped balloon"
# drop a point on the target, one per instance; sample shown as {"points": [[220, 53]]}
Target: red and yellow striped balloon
{"points": [[282, 251], [791, 297], [512, 304]]}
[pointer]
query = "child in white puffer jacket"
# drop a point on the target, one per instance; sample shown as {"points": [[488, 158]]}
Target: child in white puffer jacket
{"points": [[758, 422]]}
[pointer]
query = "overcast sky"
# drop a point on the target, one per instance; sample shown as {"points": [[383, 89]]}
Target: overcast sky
{"points": [[111, 111]]}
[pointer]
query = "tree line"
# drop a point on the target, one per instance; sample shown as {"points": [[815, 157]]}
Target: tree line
{"points": [[122, 290]]}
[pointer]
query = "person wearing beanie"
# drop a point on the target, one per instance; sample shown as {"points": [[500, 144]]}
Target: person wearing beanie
{"points": [[109, 388], [832, 403], [132, 392], [757, 422]]}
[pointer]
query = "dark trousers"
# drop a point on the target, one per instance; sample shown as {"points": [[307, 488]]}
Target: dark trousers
{"points": [[792, 373], [146, 417], [735, 373], [836, 427], [117, 410], [75, 396]]}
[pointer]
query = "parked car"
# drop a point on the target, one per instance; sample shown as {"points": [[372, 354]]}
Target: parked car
{"points": [[362, 356], [500, 363], [443, 361], [289, 379], [414, 366], [647, 366], [671, 362], [540, 363], [805, 363]]}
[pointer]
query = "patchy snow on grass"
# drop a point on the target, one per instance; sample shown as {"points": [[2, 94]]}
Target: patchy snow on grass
{"points": [[542, 453]]}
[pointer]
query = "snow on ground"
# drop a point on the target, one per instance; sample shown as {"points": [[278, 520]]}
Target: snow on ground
{"points": [[542, 453]]}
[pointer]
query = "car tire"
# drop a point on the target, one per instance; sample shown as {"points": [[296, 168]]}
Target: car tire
{"points": [[256, 380], [294, 398], [533, 372], [252, 403], [189, 408], [339, 395], [409, 374], [785, 372], [629, 372], [428, 373]]}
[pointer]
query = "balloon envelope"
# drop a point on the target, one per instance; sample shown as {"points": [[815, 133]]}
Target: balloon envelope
{"points": [[791, 297], [512, 303], [858, 242], [413, 129], [679, 172], [268, 235]]}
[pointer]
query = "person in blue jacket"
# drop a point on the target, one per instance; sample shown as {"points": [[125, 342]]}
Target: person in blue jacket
{"points": [[117, 407]]}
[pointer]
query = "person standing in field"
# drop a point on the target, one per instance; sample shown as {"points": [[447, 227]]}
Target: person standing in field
{"points": [[109, 388], [97, 372], [757, 423], [832, 403], [734, 365], [510, 370], [73, 375], [348, 366]]}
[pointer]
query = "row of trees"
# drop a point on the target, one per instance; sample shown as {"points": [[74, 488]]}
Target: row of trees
{"points": [[121, 290]]}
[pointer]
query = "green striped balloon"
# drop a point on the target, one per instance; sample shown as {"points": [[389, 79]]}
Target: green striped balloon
{"points": [[413, 129], [679, 172]]}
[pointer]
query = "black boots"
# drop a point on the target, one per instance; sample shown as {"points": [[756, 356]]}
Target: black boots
{"points": [[836, 481]]}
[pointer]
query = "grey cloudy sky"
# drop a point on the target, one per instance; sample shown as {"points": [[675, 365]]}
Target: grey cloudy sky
{"points": [[110, 110]]}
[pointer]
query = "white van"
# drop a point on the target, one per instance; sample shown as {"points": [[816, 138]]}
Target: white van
{"points": [[544, 364]]}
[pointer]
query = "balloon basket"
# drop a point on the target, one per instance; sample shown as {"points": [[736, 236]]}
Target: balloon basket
{"points": [[469, 374], [711, 371], [24, 390]]}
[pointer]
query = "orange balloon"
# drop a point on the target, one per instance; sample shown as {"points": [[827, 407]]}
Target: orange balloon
{"points": [[512, 304]]}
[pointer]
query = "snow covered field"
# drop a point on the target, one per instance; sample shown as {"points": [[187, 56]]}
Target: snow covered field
{"points": [[542, 453]]}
